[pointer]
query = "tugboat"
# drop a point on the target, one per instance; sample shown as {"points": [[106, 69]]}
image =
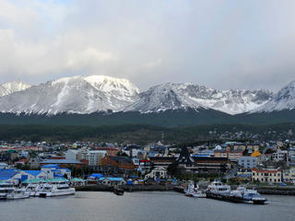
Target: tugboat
{"points": [[118, 191]]}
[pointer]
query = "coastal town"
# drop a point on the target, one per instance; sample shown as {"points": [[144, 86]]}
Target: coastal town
{"points": [[268, 167]]}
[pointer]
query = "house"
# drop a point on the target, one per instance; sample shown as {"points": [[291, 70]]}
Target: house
{"points": [[34, 162], [21, 162], [157, 173], [220, 153], [3, 166], [267, 175], [280, 155], [112, 181]]}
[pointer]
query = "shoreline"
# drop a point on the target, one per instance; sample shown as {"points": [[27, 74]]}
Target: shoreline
{"points": [[287, 191], [127, 188]]}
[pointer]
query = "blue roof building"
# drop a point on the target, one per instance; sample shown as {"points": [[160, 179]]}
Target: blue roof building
{"points": [[7, 174], [51, 166]]}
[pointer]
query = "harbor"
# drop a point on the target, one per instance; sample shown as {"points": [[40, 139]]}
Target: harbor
{"points": [[143, 206]]}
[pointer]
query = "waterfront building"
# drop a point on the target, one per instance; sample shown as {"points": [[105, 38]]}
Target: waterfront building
{"points": [[55, 171], [157, 173], [112, 181], [191, 164], [9, 175], [267, 175], [289, 175], [23, 175]]}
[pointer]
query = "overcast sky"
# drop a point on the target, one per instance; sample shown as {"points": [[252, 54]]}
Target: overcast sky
{"points": [[217, 43]]}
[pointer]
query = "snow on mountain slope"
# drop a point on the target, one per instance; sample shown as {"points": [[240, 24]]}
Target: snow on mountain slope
{"points": [[283, 100], [163, 97], [11, 87], [88, 94], [180, 96], [77, 94]]}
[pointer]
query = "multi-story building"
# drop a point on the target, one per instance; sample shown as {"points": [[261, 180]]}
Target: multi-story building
{"points": [[289, 175], [280, 155], [94, 157], [247, 162], [267, 175], [230, 154]]}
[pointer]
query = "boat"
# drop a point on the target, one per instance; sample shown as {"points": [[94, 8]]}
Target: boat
{"points": [[9, 192], [218, 188], [248, 195], [60, 188], [118, 191], [220, 191], [193, 191], [32, 188]]}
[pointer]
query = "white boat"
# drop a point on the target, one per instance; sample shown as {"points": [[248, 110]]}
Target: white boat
{"points": [[33, 188], [219, 188], [9, 192], [193, 191], [248, 195], [60, 188], [20, 193]]}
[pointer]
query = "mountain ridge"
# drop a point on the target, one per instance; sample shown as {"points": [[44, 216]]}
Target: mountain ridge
{"points": [[99, 93]]}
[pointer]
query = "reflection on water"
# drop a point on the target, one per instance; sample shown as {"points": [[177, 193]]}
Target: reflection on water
{"points": [[141, 206]]}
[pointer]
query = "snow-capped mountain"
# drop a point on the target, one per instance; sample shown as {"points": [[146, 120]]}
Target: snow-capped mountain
{"points": [[77, 94], [283, 100], [181, 96], [11, 87], [97, 93]]}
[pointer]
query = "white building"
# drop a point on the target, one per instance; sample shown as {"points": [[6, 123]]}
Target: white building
{"points": [[158, 172], [94, 157], [280, 155], [71, 154], [289, 175], [267, 175]]}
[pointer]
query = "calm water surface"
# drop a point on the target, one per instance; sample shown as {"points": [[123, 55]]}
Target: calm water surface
{"points": [[143, 206]]}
